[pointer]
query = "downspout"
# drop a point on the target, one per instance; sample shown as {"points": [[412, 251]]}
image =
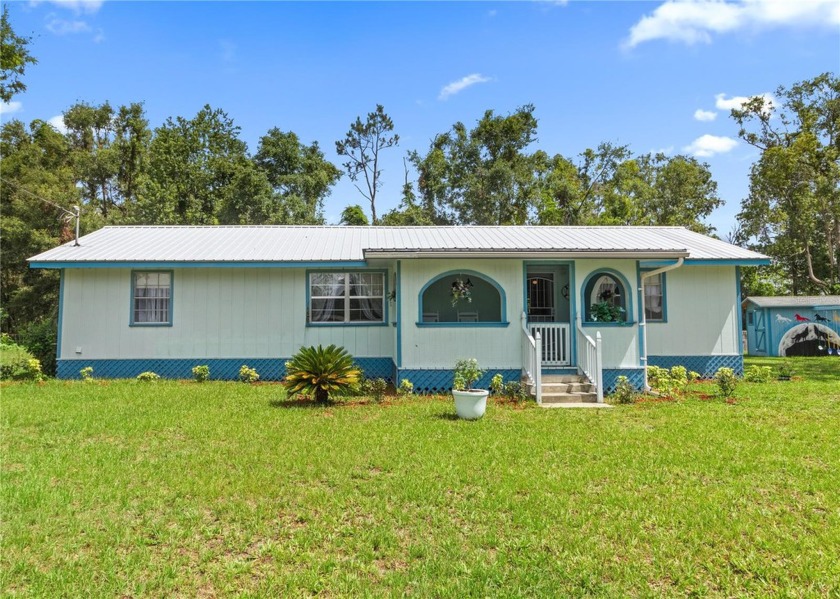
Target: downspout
{"points": [[643, 321]]}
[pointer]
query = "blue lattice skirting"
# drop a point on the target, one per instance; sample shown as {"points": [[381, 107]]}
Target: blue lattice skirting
{"points": [[440, 381], [223, 369], [635, 376], [707, 366]]}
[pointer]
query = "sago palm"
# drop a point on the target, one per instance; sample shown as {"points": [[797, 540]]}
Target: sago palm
{"points": [[320, 371]]}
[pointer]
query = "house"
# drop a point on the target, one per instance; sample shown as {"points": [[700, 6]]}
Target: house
{"points": [[793, 326], [406, 301]]}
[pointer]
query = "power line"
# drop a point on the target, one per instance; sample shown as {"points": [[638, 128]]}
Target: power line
{"points": [[74, 214]]}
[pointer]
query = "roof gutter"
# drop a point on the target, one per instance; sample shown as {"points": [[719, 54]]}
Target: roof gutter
{"points": [[643, 321]]}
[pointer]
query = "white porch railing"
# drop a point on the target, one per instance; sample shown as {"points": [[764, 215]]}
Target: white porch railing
{"points": [[532, 358], [589, 359], [555, 342]]}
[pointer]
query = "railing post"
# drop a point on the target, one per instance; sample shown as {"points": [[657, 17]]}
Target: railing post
{"points": [[599, 375], [538, 366]]}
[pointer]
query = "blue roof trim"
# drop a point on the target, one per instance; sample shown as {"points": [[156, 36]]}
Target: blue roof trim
{"points": [[159, 265], [708, 262]]}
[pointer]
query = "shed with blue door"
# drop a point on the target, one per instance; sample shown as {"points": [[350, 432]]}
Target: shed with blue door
{"points": [[793, 326]]}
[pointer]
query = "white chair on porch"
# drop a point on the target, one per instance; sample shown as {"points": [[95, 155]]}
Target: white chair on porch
{"points": [[431, 317], [467, 316]]}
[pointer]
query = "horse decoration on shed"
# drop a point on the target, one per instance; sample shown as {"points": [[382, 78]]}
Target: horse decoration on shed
{"points": [[809, 339]]}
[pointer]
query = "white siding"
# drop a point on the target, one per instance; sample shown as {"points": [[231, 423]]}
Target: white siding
{"points": [[441, 347], [217, 313], [702, 314]]}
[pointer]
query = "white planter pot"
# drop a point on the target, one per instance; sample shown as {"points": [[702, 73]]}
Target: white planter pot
{"points": [[470, 405]]}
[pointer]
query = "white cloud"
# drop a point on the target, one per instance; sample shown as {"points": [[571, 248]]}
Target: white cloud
{"points": [[64, 26], [704, 115], [492, 13], [694, 21], [10, 107], [462, 84], [735, 102], [709, 145], [77, 6], [58, 122], [666, 150], [99, 37]]}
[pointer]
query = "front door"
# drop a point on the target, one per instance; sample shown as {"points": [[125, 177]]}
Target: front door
{"points": [[543, 316]]}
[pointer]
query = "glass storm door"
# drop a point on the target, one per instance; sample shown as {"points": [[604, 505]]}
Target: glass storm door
{"points": [[541, 297]]}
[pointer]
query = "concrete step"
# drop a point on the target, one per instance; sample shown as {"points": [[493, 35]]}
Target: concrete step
{"points": [[559, 398], [584, 387], [563, 378]]}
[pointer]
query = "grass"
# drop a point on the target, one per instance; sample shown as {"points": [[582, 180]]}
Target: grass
{"points": [[178, 489]]}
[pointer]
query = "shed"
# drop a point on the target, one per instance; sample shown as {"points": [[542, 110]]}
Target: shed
{"points": [[804, 325]]}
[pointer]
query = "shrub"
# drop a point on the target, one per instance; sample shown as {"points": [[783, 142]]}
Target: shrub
{"points": [[624, 392], [515, 391], [785, 369], [86, 373], [17, 364], [726, 382], [758, 374], [406, 387], [40, 338], [320, 372], [376, 388], [671, 383], [201, 373], [497, 384], [467, 374], [248, 375], [148, 377]]}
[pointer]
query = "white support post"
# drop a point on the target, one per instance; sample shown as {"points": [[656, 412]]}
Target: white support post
{"points": [[599, 375], [538, 366]]}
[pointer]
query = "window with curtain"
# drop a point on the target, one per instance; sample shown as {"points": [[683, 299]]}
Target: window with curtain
{"points": [[655, 298], [151, 302], [346, 297]]}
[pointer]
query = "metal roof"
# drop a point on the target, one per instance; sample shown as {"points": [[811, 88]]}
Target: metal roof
{"points": [[299, 244], [826, 302]]}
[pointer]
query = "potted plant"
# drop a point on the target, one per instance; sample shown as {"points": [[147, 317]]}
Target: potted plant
{"points": [[605, 311], [461, 290], [470, 404]]}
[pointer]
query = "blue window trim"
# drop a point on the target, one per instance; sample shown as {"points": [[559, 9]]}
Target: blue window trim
{"points": [[498, 323], [664, 319], [628, 301], [131, 322], [385, 301], [445, 325], [60, 314]]}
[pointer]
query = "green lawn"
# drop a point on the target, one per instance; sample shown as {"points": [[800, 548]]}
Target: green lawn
{"points": [[179, 489]]}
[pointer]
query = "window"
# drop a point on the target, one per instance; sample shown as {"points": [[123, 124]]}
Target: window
{"points": [[464, 298], [750, 317], [655, 298], [346, 297], [605, 298], [151, 298]]}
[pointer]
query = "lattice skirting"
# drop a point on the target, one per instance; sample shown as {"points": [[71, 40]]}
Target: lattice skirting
{"points": [[635, 376], [225, 369], [440, 381], [707, 366]]}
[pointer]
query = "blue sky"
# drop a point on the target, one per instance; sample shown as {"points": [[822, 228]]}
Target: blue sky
{"points": [[634, 73]]}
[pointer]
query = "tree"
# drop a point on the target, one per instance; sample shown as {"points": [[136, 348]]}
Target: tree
{"points": [[482, 176], [362, 146], [200, 173], [354, 216], [109, 151], [14, 56], [36, 173], [299, 174], [793, 208]]}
